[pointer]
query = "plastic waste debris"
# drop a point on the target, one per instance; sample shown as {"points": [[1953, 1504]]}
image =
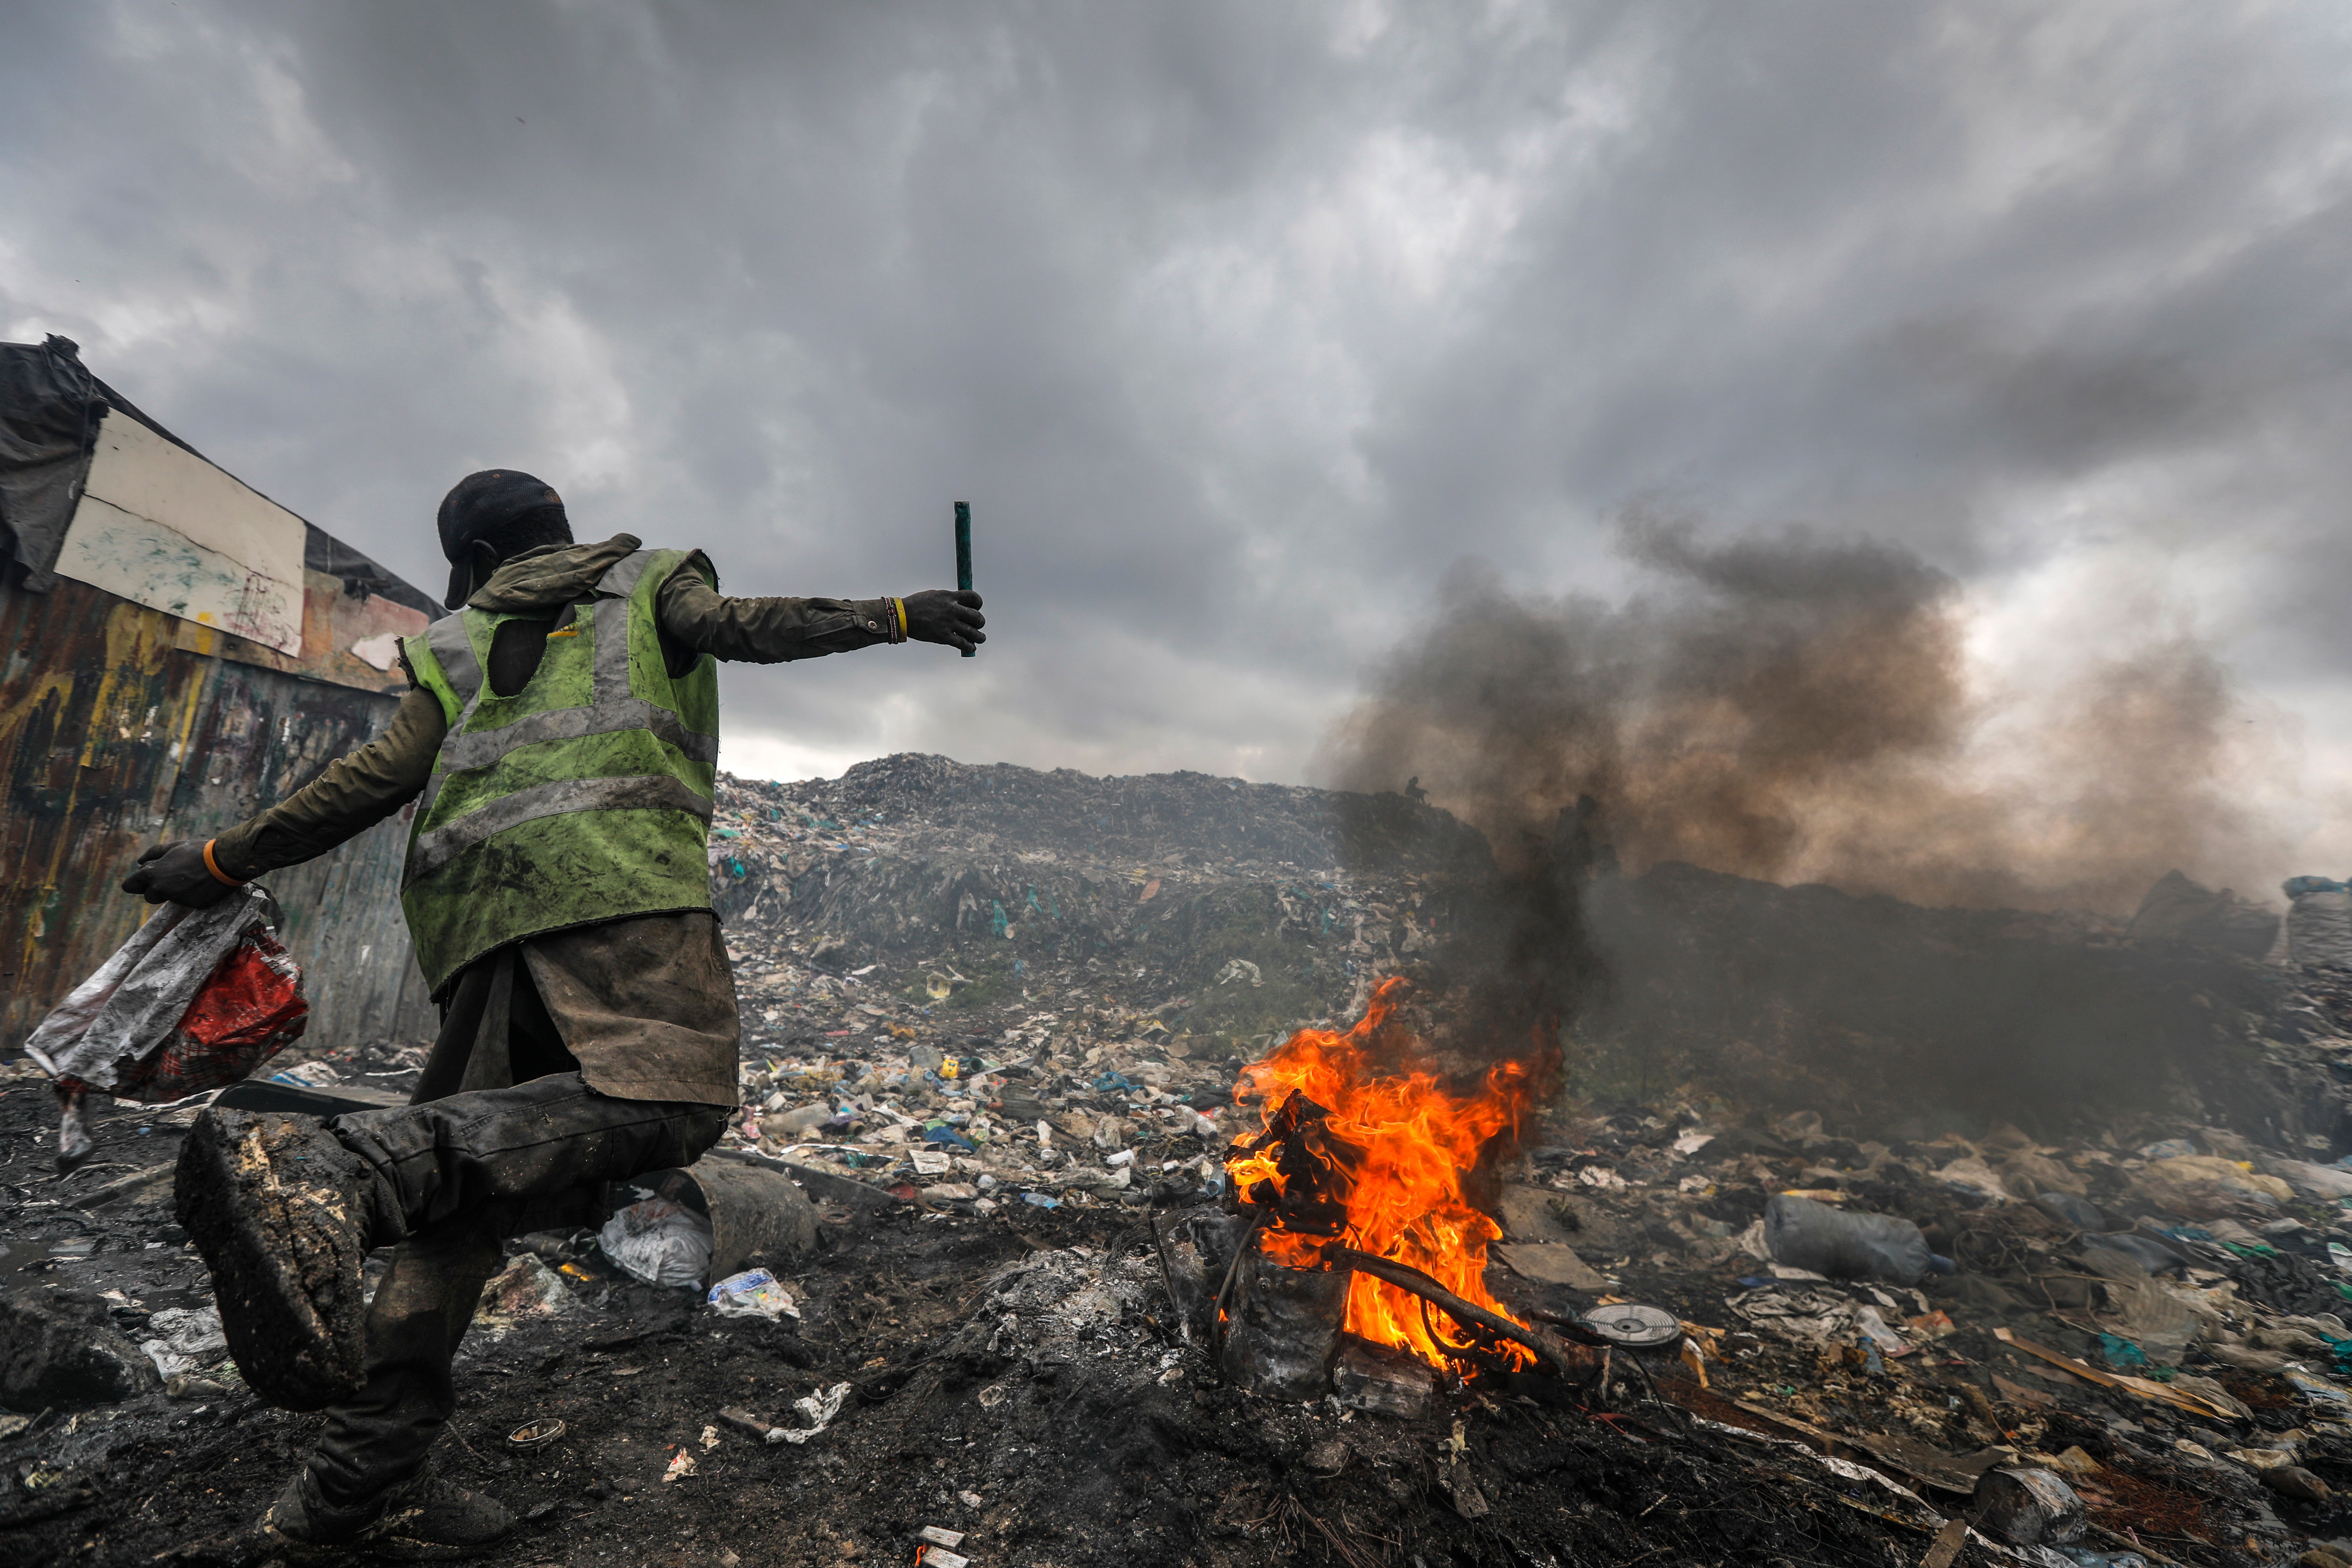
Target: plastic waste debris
{"points": [[2082, 1557], [185, 1339], [2068, 1209], [818, 1410], [2149, 1251], [658, 1241], [1971, 1173], [1881, 1335], [195, 999], [2028, 1508], [754, 1293], [2166, 1149], [786, 1126], [2122, 1354], [2318, 921], [1804, 1234], [525, 1288]]}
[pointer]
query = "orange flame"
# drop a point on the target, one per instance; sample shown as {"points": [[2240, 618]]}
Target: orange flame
{"points": [[1406, 1142]]}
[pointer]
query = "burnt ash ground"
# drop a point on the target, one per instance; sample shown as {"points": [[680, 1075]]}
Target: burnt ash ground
{"points": [[1071, 1433]]}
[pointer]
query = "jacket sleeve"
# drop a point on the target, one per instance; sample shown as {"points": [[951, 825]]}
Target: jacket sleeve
{"points": [[696, 616], [352, 796]]}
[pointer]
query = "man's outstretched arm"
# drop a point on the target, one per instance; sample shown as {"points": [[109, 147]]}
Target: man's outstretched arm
{"points": [[698, 617], [352, 796]]}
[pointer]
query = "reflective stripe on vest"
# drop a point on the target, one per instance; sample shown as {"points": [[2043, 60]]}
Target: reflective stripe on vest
{"points": [[613, 710], [435, 849]]}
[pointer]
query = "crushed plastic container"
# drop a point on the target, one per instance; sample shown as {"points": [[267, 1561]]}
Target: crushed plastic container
{"points": [[754, 1293], [1804, 1234]]}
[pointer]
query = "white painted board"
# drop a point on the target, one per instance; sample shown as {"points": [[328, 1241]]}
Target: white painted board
{"points": [[161, 527]]}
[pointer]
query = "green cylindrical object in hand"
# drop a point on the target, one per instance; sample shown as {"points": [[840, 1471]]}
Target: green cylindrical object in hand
{"points": [[963, 556]]}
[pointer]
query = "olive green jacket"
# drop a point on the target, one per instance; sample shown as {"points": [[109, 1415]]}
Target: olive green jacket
{"points": [[363, 789]]}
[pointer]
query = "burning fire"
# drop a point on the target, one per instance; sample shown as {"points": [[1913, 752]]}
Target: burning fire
{"points": [[1362, 1145]]}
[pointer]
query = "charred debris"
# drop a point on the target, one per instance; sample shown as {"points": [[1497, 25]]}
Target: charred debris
{"points": [[1076, 1215]]}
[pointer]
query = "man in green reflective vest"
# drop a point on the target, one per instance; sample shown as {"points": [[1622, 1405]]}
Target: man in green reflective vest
{"points": [[560, 741]]}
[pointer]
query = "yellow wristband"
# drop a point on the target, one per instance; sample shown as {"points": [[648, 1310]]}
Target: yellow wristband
{"points": [[214, 866], [900, 606]]}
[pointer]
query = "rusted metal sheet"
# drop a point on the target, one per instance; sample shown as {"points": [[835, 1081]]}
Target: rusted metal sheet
{"points": [[347, 640], [114, 735]]}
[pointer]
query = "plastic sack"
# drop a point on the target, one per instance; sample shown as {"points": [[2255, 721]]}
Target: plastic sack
{"points": [[2318, 922], [194, 1001], [658, 1242], [754, 1293], [2146, 1250], [2068, 1209], [1803, 1233]]}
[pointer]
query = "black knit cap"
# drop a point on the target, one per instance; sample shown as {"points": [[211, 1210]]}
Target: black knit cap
{"points": [[482, 506]]}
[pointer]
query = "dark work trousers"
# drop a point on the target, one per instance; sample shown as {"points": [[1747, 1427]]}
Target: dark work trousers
{"points": [[503, 1137]]}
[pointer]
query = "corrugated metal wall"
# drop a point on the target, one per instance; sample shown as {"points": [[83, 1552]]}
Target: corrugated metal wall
{"points": [[111, 736]]}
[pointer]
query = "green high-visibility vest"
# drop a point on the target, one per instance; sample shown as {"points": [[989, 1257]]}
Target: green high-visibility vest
{"points": [[585, 796]]}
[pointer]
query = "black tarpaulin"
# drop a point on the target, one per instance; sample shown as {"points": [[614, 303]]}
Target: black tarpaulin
{"points": [[50, 406], [51, 410]]}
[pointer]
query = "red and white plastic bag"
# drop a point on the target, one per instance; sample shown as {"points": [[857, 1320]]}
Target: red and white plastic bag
{"points": [[194, 1000]]}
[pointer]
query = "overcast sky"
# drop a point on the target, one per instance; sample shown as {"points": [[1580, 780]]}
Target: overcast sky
{"points": [[1240, 324]]}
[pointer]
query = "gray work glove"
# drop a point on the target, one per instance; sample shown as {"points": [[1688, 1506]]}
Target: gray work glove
{"points": [[949, 616], [176, 874]]}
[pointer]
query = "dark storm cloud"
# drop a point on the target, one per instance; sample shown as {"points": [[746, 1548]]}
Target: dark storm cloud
{"points": [[1239, 324]]}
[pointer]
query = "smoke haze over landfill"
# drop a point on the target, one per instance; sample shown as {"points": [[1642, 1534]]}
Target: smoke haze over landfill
{"points": [[1918, 430], [1798, 709]]}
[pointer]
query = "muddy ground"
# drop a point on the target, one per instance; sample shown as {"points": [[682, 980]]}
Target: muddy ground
{"points": [[1077, 1432]]}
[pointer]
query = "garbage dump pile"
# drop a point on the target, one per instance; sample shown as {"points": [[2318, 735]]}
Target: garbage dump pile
{"points": [[1117, 1182]]}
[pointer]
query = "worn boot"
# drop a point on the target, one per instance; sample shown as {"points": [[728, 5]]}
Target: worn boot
{"points": [[424, 1519], [284, 1216]]}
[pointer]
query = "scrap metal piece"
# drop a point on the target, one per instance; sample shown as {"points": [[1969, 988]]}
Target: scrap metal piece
{"points": [[1635, 1327], [536, 1434]]}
